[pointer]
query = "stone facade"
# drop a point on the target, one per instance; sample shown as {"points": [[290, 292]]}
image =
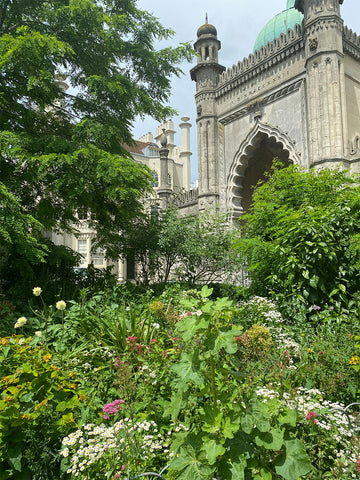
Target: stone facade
{"points": [[297, 98]]}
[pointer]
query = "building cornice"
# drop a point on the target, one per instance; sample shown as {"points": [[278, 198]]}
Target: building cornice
{"points": [[262, 60], [351, 42], [282, 92]]}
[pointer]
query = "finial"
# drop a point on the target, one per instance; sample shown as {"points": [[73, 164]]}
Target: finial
{"points": [[163, 138], [206, 19]]}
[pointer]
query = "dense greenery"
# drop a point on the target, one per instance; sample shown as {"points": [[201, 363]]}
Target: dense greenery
{"points": [[195, 249], [61, 150], [301, 238], [203, 384]]}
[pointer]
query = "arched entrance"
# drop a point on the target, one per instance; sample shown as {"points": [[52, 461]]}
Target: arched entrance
{"points": [[252, 161]]}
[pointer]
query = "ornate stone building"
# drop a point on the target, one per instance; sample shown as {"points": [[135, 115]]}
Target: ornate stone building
{"points": [[296, 96]]}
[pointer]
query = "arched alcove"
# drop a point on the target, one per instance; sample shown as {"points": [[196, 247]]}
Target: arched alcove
{"points": [[253, 159]]}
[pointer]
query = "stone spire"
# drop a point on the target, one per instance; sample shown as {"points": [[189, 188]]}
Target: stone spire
{"points": [[164, 190]]}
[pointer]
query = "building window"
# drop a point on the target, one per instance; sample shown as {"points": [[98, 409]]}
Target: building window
{"points": [[82, 249], [155, 182], [98, 256]]}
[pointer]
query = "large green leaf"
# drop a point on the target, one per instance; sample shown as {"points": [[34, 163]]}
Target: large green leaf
{"points": [[272, 440], [191, 465], [294, 462], [212, 450], [191, 326], [188, 370], [224, 339]]}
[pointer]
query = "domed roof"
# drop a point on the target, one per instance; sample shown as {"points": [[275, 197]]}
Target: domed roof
{"points": [[207, 28], [279, 24]]}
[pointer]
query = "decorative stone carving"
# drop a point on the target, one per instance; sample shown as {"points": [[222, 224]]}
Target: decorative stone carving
{"points": [[313, 44]]}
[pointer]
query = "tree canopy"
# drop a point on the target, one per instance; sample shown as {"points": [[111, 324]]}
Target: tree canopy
{"points": [[61, 148], [301, 239]]}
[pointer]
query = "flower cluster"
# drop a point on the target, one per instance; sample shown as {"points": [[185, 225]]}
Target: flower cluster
{"points": [[133, 444], [342, 445], [111, 408], [60, 305], [20, 322]]}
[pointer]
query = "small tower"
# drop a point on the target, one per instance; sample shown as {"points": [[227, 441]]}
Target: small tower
{"points": [[164, 190], [206, 75], [326, 100]]}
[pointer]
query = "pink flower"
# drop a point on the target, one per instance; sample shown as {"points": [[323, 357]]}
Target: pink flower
{"points": [[316, 307], [358, 465], [311, 416], [237, 339], [331, 308], [189, 314], [123, 467], [112, 408], [153, 340]]}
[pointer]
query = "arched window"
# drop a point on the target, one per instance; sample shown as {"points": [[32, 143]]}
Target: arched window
{"points": [[155, 182]]}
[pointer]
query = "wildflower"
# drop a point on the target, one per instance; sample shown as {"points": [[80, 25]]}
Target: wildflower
{"points": [[22, 341], [46, 357], [112, 408], [153, 340], [189, 314], [37, 291], [38, 333], [354, 360], [312, 416], [156, 325], [316, 307], [331, 308], [20, 322], [358, 465], [61, 305]]}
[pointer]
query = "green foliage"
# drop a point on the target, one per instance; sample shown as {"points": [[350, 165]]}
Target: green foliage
{"points": [[301, 238], [195, 249], [229, 437], [61, 150], [37, 405]]}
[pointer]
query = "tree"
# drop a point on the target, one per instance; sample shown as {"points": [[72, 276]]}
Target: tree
{"points": [[301, 239], [195, 249], [61, 150]]}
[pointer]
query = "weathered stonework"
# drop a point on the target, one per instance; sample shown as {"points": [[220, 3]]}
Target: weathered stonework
{"points": [[297, 98]]}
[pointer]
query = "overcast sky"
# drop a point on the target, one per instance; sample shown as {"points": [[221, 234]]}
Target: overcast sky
{"points": [[238, 23]]}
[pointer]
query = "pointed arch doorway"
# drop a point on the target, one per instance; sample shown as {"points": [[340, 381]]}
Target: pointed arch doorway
{"points": [[253, 159]]}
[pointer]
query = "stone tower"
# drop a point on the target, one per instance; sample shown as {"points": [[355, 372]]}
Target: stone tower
{"points": [[296, 97], [325, 83], [206, 75]]}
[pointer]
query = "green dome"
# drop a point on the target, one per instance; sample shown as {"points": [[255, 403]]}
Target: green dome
{"points": [[279, 24]]}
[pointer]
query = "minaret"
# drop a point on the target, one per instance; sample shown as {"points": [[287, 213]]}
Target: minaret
{"points": [[206, 75], [185, 153], [327, 123]]}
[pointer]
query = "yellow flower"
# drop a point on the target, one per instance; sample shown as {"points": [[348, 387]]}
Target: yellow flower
{"points": [[46, 357], [354, 360], [37, 291], [61, 305]]}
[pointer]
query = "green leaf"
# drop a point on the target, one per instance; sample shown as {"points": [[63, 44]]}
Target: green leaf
{"points": [[264, 474], [188, 370], [191, 326], [288, 416], [206, 291], [212, 450], [224, 339], [272, 440], [191, 465], [15, 457], [294, 462], [212, 419]]}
